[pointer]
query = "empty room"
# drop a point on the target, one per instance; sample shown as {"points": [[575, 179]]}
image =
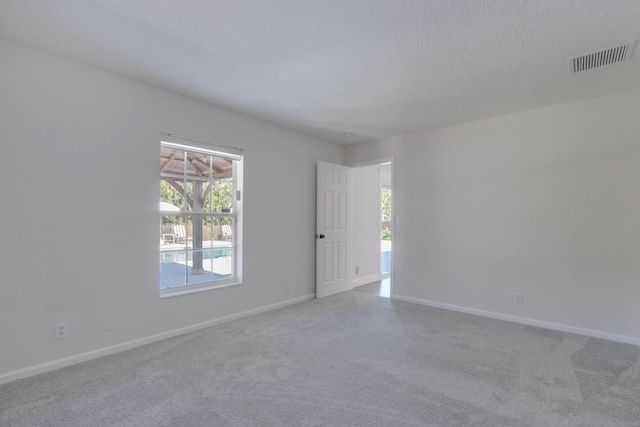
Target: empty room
{"points": [[320, 213]]}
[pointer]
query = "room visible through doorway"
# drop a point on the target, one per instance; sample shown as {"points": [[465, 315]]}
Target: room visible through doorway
{"points": [[373, 228], [386, 233]]}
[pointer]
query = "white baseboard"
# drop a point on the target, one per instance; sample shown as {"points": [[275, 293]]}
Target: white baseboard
{"points": [[365, 280], [83, 357], [524, 320]]}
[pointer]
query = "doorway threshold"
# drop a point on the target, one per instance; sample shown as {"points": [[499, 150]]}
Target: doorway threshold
{"points": [[381, 288]]}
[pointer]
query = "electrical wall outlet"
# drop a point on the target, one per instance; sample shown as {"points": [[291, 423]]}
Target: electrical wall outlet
{"points": [[517, 297], [286, 285], [61, 330], [357, 270]]}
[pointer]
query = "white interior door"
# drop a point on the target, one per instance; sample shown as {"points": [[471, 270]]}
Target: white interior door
{"points": [[333, 234]]}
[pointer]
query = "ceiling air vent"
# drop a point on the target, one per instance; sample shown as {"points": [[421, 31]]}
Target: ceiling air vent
{"points": [[602, 58]]}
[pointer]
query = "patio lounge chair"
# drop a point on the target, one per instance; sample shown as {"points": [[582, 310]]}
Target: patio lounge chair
{"points": [[227, 231], [179, 233]]}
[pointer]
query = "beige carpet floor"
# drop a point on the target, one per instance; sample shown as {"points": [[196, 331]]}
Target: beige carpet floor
{"points": [[352, 359]]}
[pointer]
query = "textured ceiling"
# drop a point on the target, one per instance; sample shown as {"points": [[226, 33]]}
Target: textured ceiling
{"points": [[375, 68]]}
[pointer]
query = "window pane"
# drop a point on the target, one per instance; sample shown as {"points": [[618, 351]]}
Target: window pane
{"points": [[222, 168], [171, 161], [172, 231], [197, 192], [195, 232], [207, 231], [222, 196], [171, 200], [198, 273], [173, 269], [198, 165], [222, 248], [222, 264], [223, 231]]}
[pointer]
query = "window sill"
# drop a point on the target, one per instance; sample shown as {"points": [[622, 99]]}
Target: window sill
{"points": [[168, 293]]}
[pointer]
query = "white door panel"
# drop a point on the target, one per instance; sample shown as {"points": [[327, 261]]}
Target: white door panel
{"points": [[333, 245]]}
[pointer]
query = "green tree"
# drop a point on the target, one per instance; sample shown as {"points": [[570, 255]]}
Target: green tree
{"points": [[386, 208], [386, 205], [219, 198], [386, 233]]}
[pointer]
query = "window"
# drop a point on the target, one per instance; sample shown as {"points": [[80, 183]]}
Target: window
{"points": [[200, 210]]}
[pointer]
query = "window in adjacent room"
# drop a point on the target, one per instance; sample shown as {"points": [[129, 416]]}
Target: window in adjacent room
{"points": [[200, 212]]}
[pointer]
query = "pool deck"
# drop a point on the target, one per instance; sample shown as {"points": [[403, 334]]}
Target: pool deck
{"points": [[174, 273]]}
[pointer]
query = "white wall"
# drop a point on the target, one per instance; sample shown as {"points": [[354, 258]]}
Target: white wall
{"points": [[79, 187], [366, 224], [546, 202]]}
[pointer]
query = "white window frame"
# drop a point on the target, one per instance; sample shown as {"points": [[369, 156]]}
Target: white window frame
{"points": [[230, 153]]}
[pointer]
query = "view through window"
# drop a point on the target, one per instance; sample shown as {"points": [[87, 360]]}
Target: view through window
{"points": [[199, 214]]}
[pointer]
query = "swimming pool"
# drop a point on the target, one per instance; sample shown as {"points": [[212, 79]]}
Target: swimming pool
{"points": [[181, 256], [386, 261]]}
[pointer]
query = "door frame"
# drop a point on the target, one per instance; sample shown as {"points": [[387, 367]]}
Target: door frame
{"points": [[394, 222]]}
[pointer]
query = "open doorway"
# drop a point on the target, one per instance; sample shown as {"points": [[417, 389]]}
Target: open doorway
{"points": [[386, 217], [373, 227], [386, 229]]}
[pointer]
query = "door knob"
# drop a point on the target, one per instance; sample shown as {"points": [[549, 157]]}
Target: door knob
{"points": [[319, 236]]}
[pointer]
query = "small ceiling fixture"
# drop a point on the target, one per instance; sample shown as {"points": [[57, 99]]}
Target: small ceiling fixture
{"points": [[349, 134], [602, 58]]}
